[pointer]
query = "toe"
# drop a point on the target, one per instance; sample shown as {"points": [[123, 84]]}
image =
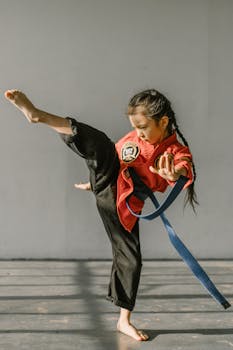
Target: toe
{"points": [[9, 94], [143, 335]]}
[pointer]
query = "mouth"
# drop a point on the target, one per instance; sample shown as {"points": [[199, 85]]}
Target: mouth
{"points": [[146, 140]]}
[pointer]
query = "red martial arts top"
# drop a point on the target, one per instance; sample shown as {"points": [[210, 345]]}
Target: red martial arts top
{"points": [[139, 154]]}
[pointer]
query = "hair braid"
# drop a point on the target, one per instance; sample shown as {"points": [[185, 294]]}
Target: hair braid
{"points": [[190, 194]]}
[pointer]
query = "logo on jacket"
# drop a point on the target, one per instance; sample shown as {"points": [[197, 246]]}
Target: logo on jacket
{"points": [[129, 152]]}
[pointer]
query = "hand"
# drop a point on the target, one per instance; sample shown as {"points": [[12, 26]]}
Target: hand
{"points": [[166, 169], [83, 186]]}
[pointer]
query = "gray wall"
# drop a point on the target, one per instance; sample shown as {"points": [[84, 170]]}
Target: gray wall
{"points": [[86, 58]]}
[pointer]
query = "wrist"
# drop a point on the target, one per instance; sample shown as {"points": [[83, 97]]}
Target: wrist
{"points": [[181, 171]]}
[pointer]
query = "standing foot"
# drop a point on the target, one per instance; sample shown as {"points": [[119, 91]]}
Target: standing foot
{"points": [[21, 101], [128, 329]]}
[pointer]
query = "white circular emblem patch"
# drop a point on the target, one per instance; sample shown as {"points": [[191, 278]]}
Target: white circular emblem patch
{"points": [[129, 152]]}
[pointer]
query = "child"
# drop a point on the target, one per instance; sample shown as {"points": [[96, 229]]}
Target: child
{"points": [[159, 159]]}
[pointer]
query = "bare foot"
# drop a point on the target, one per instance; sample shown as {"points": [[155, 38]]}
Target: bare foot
{"points": [[22, 103], [128, 329]]}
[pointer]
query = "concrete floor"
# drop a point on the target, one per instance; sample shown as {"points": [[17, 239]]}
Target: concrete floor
{"points": [[61, 305]]}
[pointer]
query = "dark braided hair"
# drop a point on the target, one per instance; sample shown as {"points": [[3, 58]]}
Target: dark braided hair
{"points": [[155, 105]]}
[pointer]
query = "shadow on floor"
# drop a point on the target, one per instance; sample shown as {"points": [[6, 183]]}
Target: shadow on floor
{"points": [[211, 331]]}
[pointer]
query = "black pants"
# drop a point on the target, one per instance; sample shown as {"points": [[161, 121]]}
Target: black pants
{"points": [[103, 163]]}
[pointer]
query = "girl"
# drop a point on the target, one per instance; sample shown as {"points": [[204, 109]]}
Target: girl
{"points": [[153, 150]]}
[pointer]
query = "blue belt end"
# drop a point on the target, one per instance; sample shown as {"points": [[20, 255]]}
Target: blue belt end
{"points": [[226, 305]]}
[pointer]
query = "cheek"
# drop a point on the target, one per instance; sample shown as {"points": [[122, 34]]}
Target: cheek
{"points": [[154, 134]]}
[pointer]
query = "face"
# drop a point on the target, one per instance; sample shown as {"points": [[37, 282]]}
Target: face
{"points": [[148, 129]]}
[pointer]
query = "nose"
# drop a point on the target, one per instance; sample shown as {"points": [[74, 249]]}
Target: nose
{"points": [[140, 133]]}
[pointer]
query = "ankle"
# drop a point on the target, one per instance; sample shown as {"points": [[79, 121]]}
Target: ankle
{"points": [[34, 115], [123, 321], [124, 317]]}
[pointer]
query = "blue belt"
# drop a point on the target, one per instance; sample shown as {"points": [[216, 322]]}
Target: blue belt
{"points": [[141, 191]]}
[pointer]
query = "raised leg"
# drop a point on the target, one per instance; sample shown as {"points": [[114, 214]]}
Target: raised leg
{"points": [[34, 115]]}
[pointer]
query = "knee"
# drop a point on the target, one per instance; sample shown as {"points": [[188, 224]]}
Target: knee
{"points": [[137, 263], [131, 262]]}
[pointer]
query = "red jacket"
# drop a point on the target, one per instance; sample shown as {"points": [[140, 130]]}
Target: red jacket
{"points": [[136, 153]]}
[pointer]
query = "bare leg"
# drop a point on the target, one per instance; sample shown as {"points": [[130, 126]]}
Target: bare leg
{"points": [[35, 115], [127, 328]]}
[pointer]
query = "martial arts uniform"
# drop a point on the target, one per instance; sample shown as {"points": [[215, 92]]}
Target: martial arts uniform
{"points": [[110, 183]]}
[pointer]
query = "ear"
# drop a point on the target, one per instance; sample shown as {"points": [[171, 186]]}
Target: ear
{"points": [[164, 122]]}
